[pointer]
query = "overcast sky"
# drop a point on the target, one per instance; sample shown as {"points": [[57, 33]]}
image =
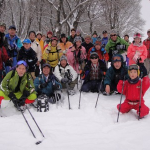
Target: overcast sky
{"points": [[145, 12]]}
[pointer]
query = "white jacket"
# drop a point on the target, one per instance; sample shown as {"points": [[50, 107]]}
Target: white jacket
{"points": [[60, 72], [36, 47]]}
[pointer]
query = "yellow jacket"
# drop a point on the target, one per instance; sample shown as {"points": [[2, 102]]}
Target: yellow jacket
{"points": [[41, 42], [51, 55]]}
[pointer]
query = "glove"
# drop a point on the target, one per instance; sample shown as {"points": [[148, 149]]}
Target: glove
{"points": [[64, 80], [43, 85], [136, 56], [81, 72], [121, 47], [56, 87], [21, 101], [8, 63], [103, 50], [13, 98]]}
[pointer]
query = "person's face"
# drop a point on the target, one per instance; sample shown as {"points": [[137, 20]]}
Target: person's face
{"points": [[54, 43], [78, 33], [97, 47], [32, 36], [73, 33], [49, 36], [113, 37], [46, 71], [78, 43], [63, 39], [133, 74], [148, 33], [105, 35], [87, 40], [12, 32], [21, 69], [63, 63], [117, 64], [137, 40], [94, 59], [39, 36], [27, 45], [2, 29], [94, 35], [126, 38]]}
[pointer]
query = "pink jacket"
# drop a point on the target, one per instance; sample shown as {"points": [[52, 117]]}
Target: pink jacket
{"points": [[132, 50], [75, 62]]}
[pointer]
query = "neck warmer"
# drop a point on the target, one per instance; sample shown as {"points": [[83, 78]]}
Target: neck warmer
{"points": [[133, 81]]}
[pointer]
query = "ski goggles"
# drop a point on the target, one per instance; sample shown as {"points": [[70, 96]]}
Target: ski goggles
{"points": [[133, 67], [117, 59], [113, 35], [22, 62], [94, 57]]}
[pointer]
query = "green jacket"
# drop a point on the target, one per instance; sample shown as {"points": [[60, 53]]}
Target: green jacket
{"points": [[9, 83], [111, 46]]}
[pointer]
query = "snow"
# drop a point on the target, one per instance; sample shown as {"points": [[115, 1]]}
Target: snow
{"points": [[76, 129]]}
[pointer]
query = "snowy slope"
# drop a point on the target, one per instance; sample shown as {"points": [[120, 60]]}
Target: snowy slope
{"points": [[84, 129]]}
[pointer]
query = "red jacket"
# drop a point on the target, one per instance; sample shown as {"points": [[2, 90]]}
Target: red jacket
{"points": [[3, 56], [147, 44], [101, 57], [132, 91]]}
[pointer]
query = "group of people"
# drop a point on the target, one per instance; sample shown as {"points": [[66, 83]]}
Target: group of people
{"points": [[44, 65]]}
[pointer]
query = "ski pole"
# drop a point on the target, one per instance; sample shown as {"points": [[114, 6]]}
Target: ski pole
{"points": [[74, 53], [68, 96], [121, 99], [35, 121], [80, 95], [140, 96], [99, 91]]}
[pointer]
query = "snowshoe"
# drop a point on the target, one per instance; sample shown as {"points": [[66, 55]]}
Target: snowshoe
{"points": [[71, 92], [42, 103]]}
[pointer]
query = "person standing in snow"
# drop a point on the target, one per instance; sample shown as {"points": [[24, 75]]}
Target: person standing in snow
{"points": [[78, 33], [146, 42], [94, 37], [132, 92], [105, 38], [72, 36], [48, 38], [66, 74], [46, 83], [116, 45], [93, 73], [117, 71], [18, 86], [76, 54], [14, 45], [137, 53]]}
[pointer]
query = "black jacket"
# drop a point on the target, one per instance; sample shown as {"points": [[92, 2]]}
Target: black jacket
{"points": [[87, 46], [29, 56]]}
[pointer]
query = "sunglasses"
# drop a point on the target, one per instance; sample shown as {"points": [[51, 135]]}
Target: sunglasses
{"points": [[113, 35], [133, 67], [22, 62], [94, 57], [116, 60]]}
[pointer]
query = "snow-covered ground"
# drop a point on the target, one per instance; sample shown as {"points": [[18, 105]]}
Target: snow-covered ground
{"points": [[84, 129]]}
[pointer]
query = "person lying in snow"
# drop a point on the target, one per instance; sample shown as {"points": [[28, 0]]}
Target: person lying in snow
{"points": [[116, 72], [93, 73], [132, 92], [18, 86], [46, 83]]}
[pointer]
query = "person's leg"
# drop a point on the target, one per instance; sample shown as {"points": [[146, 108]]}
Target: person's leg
{"points": [[72, 84], [86, 87], [125, 107]]}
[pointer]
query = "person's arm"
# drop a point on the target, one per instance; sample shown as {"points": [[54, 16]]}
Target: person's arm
{"points": [[130, 52], [73, 73], [143, 56], [39, 53], [120, 86], [108, 77], [57, 73], [4, 54], [19, 44], [145, 84]]}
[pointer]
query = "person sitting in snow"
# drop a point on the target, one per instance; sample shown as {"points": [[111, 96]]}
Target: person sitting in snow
{"points": [[46, 83], [116, 72], [93, 73], [18, 86], [66, 74], [131, 90]]}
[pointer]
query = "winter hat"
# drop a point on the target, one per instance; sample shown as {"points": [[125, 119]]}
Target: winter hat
{"points": [[137, 35], [104, 32], [63, 57], [12, 27], [3, 24], [63, 35], [32, 32], [49, 32], [98, 41], [77, 38], [117, 58], [39, 32], [113, 31], [46, 65], [78, 31], [54, 38], [22, 62], [94, 33], [134, 67], [87, 36], [27, 41], [94, 54]]}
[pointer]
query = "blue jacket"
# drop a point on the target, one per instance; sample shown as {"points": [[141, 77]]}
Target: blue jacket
{"points": [[104, 41], [14, 42], [48, 90]]}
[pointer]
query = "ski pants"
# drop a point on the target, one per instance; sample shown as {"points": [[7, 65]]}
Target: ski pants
{"points": [[30, 98], [126, 106]]}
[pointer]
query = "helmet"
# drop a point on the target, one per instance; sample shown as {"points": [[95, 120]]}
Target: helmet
{"points": [[134, 67]]}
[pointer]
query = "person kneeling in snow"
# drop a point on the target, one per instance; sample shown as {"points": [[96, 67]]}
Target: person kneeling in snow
{"points": [[116, 72], [131, 90], [18, 86], [66, 74], [93, 74], [46, 84]]}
